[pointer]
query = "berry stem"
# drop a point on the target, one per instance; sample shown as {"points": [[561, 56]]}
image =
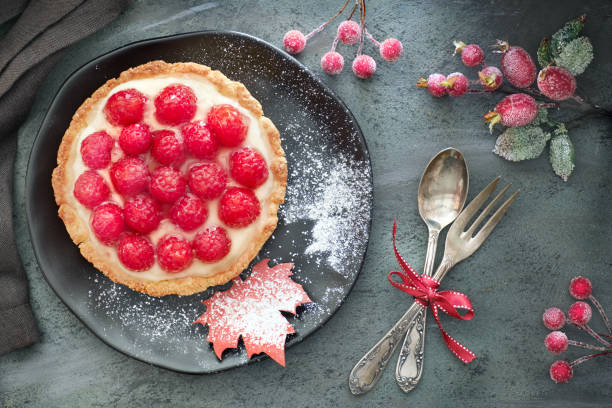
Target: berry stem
{"points": [[322, 26], [596, 336], [549, 105], [335, 43], [585, 345], [590, 356], [376, 43], [601, 312], [362, 13]]}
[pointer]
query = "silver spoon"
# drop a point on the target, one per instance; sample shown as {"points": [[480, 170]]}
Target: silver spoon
{"points": [[442, 194]]}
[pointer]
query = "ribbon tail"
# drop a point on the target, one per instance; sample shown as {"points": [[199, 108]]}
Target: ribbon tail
{"points": [[459, 350]]}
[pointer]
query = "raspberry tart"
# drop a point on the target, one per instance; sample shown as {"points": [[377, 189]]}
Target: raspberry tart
{"points": [[169, 178]]}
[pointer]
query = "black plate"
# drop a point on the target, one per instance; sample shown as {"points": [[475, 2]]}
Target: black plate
{"points": [[324, 225]]}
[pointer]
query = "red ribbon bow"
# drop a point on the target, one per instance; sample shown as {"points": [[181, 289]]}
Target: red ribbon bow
{"points": [[425, 292]]}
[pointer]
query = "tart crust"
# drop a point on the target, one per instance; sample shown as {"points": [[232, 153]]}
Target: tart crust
{"points": [[79, 230]]}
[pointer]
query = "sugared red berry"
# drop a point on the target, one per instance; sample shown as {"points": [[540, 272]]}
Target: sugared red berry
{"points": [[472, 55], [167, 184], [238, 207], [189, 212], [561, 371], [580, 288], [553, 318], [107, 222], [199, 140], [364, 66], [130, 175], [174, 253], [556, 342], [248, 167], [175, 104], [135, 252], [457, 84], [135, 138], [332, 63], [433, 83], [580, 313], [125, 107], [207, 180], [490, 78], [96, 150], [391, 49], [517, 65], [556, 83], [167, 149], [211, 244], [349, 32], [142, 214], [514, 110], [294, 42], [90, 189], [228, 124]]}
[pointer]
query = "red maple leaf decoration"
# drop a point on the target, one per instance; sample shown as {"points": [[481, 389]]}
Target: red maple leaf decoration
{"points": [[251, 309]]}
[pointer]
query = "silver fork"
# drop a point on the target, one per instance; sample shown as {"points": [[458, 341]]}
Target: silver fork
{"points": [[459, 245]]}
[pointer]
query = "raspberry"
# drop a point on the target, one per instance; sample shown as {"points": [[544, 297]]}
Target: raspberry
{"points": [[514, 110], [456, 83], [96, 150], [349, 32], [553, 318], [130, 175], [167, 184], [364, 66], [471, 55], [142, 214], [174, 253], [490, 78], [580, 313], [211, 244], [556, 83], [228, 124], [107, 222], [433, 83], [238, 207], [175, 104], [561, 371], [199, 140], [135, 138], [517, 65], [248, 167], [332, 63], [125, 107], [391, 49], [189, 212], [556, 342], [294, 42], [167, 148], [90, 189], [207, 180], [580, 288], [135, 252]]}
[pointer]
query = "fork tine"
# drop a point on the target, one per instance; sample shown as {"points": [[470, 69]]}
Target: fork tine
{"points": [[494, 220], [469, 211], [486, 211]]}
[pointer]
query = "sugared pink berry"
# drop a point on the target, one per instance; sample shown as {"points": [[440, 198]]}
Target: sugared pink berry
{"points": [[517, 65], [90, 189], [125, 107], [168, 149], [556, 342], [174, 253], [514, 110], [556, 83], [96, 150], [107, 222], [391, 49], [135, 252], [471, 55], [553, 318], [135, 138], [189, 212], [490, 78], [433, 83], [580, 313], [457, 84], [167, 184], [294, 42], [332, 63], [580, 288], [561, 371], [211, 244], [364, 66], [349, 32]]}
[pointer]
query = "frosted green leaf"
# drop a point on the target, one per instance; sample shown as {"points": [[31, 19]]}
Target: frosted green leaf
{"points": [[567, 33], [576, 55], [544, 54], [542, 117], [521, 143], [562, 154]]}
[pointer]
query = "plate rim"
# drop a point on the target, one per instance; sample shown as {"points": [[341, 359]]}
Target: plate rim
{"points": [[35, 147]]}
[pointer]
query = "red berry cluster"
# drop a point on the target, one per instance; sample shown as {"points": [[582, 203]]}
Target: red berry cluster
{"points": [[579, 314], [349, 32], [166, 173]]}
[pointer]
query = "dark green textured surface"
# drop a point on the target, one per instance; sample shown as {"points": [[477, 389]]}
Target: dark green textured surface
{"points": [[553, 232]]}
